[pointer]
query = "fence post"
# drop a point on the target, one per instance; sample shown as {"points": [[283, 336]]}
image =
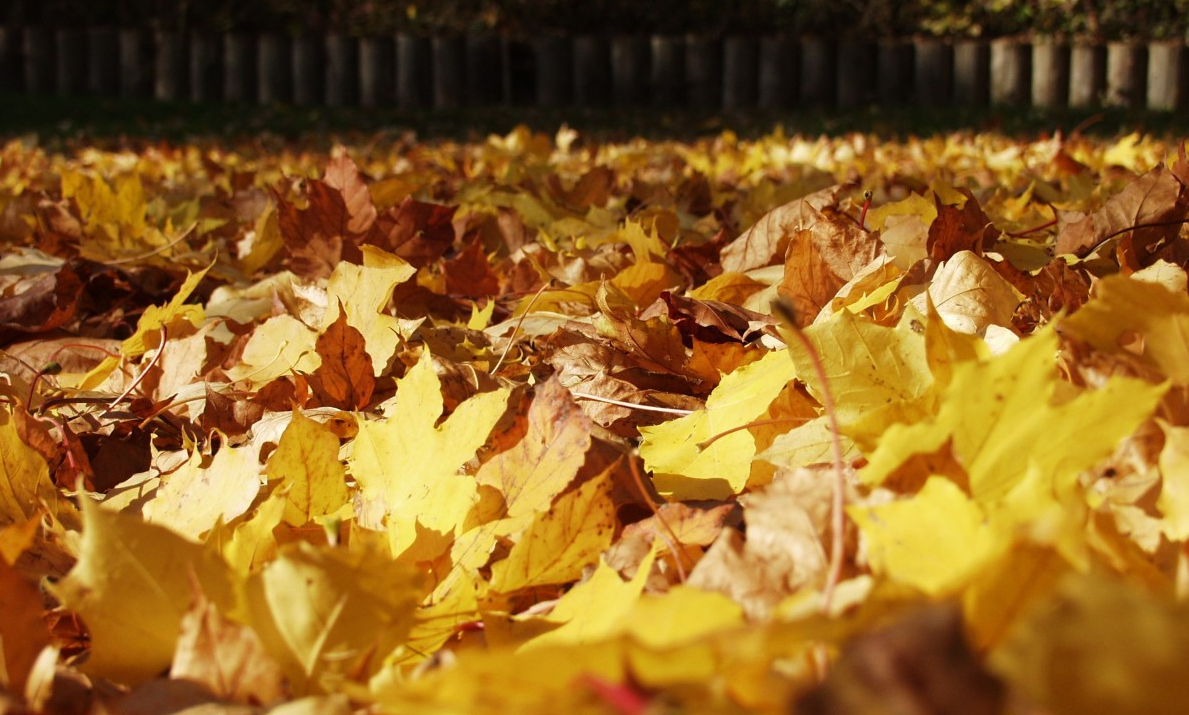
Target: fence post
{"points": [[309, 76], [169, 77], [779, 72], [703, 72], [9, 78], [555, 71], [1087, 75], [933, 70], [668, 71], [1050, 74], [1011, 72], [819, 71], [1126, 73], [592, 71], [206, 72], [630, 69], [414, 72], [103, 61], [1168, 76], [239, 68], [449, 72], [274, 69], [37, 46], [520, 72], [70, 61], [485, 69], [856, 73], [377, 72], [740, 72], [342, 70], [136, 76], [972, 73]]}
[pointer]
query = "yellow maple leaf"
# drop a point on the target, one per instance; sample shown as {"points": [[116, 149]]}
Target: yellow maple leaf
{"points": [[877, 375], [934, 540], [194, 498], [154, 318], [306, 462], [364, 292], [409, 465], [323, 612], [1139, 317], [280, 346], [540, 466], [594, 609], [994, 411], [1173, 501], [25, 484], [132, 585], [683, 470], [251, 542], [559, 543]]}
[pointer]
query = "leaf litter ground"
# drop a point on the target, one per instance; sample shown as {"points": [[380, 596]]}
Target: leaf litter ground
{"points": [[515, 426]]}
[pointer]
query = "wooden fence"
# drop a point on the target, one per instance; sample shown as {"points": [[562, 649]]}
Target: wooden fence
{"points": [[708, 73]]}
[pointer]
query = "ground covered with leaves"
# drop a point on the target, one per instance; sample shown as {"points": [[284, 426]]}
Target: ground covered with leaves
{"points": [[540, 424]]}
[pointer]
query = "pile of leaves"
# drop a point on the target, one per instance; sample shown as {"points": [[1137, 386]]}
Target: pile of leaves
{"points": [[515, 426]]}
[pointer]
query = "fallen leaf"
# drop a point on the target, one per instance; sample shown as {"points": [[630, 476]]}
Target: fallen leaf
{"points": [[132, 587]]}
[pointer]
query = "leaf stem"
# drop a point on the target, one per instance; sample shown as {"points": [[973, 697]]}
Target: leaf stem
{"points": [[838, 500], [632, 405]]}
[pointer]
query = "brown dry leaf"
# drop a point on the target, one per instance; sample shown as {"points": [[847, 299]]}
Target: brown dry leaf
{"points": [[713, 321], [820, 259], [342, 174], [919, 665], [41, 304], [316, 238], [1158, 201], [766, 242], [784, 547], [226, 657]]}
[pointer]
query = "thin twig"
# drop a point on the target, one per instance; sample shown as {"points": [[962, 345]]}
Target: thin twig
{"points": [[632, 405], [677, 554], [140, 377], [516, 330], [150, 254], [1034, 229], [705, 444]]}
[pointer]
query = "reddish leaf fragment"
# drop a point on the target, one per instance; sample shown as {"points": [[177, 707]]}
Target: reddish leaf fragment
{"points": [[960, 229], [44, 304], [318, 237], [342, 174], [469, 274], [234, 417], [417, 232], [345, 378], [22, 632]]}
